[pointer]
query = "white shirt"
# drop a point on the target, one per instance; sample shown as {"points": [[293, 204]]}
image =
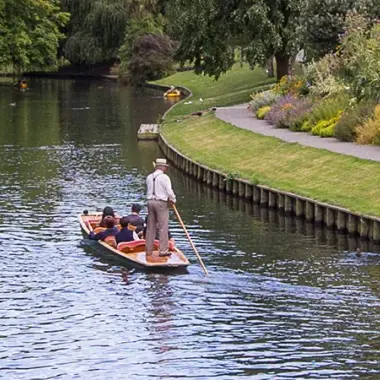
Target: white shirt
{"points": [[160, 188]]}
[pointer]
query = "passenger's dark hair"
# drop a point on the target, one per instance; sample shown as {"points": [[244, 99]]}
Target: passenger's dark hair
{"points": [[108, 211], [136, 208], [109, 221], [124, 221]]}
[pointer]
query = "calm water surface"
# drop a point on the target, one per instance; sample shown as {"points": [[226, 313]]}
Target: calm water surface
{"points": [[283, 301]]}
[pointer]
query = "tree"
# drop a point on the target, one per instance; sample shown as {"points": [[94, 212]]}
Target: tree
{"points": [[269, 28], [151, 58], [96, 29], [30, 34], [323, 22]]}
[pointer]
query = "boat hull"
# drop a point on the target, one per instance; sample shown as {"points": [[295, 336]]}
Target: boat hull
{"points": [[136, 256]]}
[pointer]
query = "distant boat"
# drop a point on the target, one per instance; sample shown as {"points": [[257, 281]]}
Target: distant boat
{"points": [[134, 252]]}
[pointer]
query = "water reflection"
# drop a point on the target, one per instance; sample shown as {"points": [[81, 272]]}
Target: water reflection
{"points": [[285, 299]]}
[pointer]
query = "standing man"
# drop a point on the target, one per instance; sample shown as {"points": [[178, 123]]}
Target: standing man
{"points": [[160, 195]]}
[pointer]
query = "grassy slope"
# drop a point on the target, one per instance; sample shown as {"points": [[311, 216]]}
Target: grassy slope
{"points": [[231, 88], [329, 177]]}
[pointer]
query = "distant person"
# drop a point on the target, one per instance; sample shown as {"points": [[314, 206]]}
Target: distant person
{"points": [[135, 219], [127, 232], [159, 194], [107, 211], [110, 230], [21, 84]]}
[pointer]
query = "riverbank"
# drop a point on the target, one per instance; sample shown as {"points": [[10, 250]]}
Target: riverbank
{"points": [[321, 175]]}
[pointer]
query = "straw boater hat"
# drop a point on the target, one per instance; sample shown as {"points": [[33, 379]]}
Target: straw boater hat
{"points": [[161, 162]]}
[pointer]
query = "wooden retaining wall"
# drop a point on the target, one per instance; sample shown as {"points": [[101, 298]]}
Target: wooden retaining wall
{"points": [[333, 217]]}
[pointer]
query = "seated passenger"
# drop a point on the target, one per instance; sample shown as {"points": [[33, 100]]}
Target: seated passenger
{"points": [[135, 219], [111, 230], [127, 232], [107, 211]]}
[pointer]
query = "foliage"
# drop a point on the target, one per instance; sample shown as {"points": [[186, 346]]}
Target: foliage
{"points": [[30, 34], [261, 99], [269, 27], [353, 117], [328, 108], [369, 132], [287, 112], [322, 77], [151, 59], [137, 28], [325, 128], [291, 85], [324, 20], [262, 112], [360, 56], [96, 29]]}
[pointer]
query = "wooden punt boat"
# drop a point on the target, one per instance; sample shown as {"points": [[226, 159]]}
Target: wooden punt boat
{"points": [[134, 252]]}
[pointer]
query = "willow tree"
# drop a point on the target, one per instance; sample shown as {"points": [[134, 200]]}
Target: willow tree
{"points": [[207, 27], [96, 29], [30, 34]]}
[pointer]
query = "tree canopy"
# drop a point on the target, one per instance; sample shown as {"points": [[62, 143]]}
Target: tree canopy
{"points": [[29, 34], [323, 22], [269, 27]]}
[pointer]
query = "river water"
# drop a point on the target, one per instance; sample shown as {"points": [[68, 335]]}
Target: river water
{"points": [[283, 300]]}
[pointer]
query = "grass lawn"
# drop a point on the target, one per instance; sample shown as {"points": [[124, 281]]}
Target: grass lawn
{"points": [[319, 174], [231, 88]]}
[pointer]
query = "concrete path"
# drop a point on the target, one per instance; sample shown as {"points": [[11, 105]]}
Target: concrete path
{"points": [[240, 117]]}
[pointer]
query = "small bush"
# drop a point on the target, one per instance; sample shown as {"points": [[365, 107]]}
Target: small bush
{"points": [[351, 119], [262, 99], [328, 108], [288, 112], [151, 59], [369, 132], [261, 112], [325, 128], [306, 126], [291, 85]]}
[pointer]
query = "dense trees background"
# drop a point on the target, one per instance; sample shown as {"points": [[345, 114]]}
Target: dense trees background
{"points": [[139, 33]]}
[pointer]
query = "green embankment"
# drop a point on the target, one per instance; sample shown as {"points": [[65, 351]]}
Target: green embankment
{"points": [[319, 174], [231, 88]]}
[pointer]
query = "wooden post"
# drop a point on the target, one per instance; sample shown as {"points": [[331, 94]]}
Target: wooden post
{"points": [[256, 194], [341, 221], [272, 203], [281, 202], [300, 208], [352, 224], [319, 214], [376, 231], [309, 212], [215, 179], [264, 197], [330, 217], [289, 207], [222, 183], [241, 189], [364, 228], [235, 187]]}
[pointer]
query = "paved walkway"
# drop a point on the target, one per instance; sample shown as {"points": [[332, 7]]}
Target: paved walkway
{"points": [[243, 118]]}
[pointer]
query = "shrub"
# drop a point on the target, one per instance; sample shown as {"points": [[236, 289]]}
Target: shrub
{"points": [[328, 108], [369, 132], [325, 128], [262, 99], [322, 77], [288, 112], [360, 55], [353, 117], [151, 59], [261, 112], [291, 85]]}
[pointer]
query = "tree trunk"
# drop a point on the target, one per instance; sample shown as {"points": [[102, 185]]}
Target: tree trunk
{"points": [[283, 65], [270, 67]]}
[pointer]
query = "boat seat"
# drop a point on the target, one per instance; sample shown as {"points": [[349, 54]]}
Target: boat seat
{"points": [[131, 246], [99, 229], [110, 240]]}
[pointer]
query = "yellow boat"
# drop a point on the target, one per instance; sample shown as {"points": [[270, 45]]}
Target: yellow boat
{"points": [[134, 252], [172, 94]]}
